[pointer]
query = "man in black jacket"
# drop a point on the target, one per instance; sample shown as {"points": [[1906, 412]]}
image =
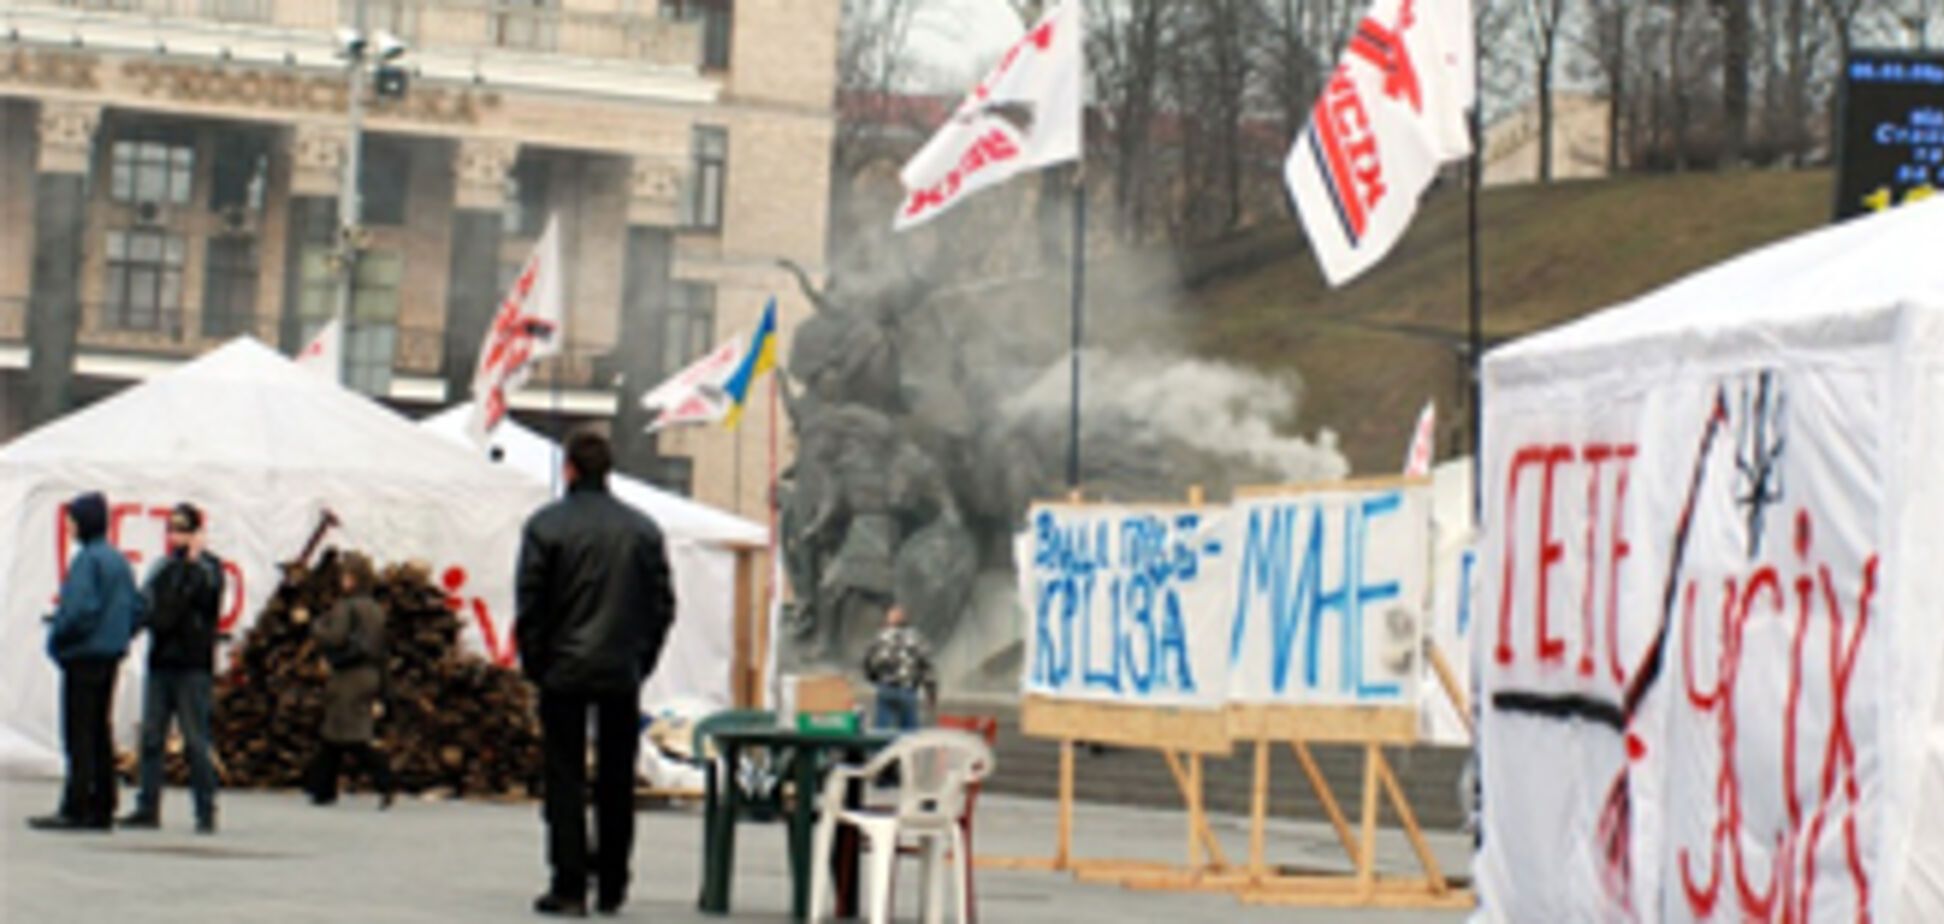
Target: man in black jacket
{"points": [[594, 605], [184, 596]]}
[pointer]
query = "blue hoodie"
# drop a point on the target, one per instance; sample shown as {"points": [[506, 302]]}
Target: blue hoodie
{"points": [[100, 605]]}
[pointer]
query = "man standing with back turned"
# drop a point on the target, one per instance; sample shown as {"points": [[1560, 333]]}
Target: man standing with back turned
{"points": [[594, 606]]}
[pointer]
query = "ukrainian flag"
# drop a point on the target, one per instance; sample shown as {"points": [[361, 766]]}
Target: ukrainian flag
{"points": [[758, 359]]}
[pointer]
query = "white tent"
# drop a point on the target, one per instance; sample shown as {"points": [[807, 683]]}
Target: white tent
{"points": [[1711, 631], [703, 543], [264, 448]]}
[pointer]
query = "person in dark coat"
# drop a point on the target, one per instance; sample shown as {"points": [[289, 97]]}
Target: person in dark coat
{"points": [[352, 639], [594, 605], [183, 597], [87, 636]]}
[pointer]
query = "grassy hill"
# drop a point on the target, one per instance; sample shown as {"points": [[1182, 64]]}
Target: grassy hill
{"points": [[1372, 353]]}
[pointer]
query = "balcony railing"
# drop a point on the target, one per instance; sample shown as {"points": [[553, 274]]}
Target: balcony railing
{"points": [[416, 351], [453, 24]]}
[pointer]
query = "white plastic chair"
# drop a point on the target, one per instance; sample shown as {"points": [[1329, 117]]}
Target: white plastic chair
{"points": [[934, 769]]}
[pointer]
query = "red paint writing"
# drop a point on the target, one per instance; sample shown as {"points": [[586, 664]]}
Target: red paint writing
{"points": [[501, 651], [1788, 893], [1555, 465]]}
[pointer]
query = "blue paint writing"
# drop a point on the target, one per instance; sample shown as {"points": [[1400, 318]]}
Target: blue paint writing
{"points": [[1467, 560]]}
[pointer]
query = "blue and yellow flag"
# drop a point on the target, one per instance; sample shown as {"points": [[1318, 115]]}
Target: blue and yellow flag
{"points": [[758, 359]]}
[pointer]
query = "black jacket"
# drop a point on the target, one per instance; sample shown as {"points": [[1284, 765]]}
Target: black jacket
{"points": [[593, 594], [184, 600]]}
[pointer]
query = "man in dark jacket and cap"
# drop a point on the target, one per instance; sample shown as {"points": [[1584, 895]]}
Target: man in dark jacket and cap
{"points": [[183, 602], [87, 636], [594, 606]]}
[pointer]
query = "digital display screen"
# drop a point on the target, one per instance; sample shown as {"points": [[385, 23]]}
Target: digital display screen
{"points": [[1892, 144]]}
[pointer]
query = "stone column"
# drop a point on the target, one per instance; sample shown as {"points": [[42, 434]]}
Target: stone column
{"points": [[655, 185], [317, 153], [66, 134], [480, 168]]}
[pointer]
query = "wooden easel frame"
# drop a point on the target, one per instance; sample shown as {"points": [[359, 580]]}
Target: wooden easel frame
{"points": [[1186, 737]]}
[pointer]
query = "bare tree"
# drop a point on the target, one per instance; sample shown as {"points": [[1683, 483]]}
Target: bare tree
{"points": [[1544, 21], [1737, 35], [874, 72], [1126, 45], [1612, 23]]}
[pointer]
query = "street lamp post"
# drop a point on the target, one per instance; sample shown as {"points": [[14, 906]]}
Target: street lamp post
{"points": [[350, 208]]}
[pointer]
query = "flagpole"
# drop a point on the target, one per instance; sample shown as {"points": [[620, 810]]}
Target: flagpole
{"points": [[1078, 310]]}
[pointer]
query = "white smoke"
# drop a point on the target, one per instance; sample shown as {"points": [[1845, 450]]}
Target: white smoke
{"points": [[1214, 407]]}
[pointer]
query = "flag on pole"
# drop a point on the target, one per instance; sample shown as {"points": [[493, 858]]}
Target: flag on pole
{"points": [[324, 354], [1023, 116], [696, 395], [1424, 442], [1390, 114], [525, 329], [758, 359]]}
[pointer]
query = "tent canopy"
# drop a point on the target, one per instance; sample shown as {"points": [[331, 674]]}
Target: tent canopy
{"points": [[1708, 609], [1832, 286], [264, 447], [537, 456]]}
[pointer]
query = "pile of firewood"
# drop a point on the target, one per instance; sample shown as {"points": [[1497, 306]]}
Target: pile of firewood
{"points": [[452, 723]]}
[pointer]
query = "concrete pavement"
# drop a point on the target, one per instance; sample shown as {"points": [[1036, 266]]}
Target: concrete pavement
{"points": [[279, 859]]}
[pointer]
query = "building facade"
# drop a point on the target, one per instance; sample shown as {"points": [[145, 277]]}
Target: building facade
{"points": [[170, 173]]}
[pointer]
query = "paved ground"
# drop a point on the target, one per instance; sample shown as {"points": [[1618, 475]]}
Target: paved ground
{"points": [[279, 859]]}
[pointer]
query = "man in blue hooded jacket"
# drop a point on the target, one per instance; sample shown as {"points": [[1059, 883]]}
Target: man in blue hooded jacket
{"points": [[87, 636]]}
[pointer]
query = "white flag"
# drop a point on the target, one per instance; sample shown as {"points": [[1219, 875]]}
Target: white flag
{"points": [[526, 328], [324, 355], [1023, 116], [1388, 117], [1424, 442], [697, 394]]}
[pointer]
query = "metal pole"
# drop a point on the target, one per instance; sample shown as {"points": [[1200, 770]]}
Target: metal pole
{"points": [[1079, 314], [1476, 334], [350, 208]]}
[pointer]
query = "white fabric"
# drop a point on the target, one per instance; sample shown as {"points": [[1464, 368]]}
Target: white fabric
{"points": [[263, 447], [1389, 115], [697, 395], [1741, 465], [700, 654], [324, 355], [1023, 116], [1454, 572], [528, 327], [1424, 442]]}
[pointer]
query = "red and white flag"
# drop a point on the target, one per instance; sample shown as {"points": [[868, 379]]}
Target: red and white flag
{"points": [[1391, 113], [1023, 116], [1424, 442], [697, 394], [324, 354], [526, 328]]}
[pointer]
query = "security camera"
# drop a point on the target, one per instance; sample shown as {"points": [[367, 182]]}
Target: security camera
{"points": [[351, 43], [390, 46]]}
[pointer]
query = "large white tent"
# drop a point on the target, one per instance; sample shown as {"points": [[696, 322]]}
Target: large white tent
{"points": [[703, 545], [1712, 633], [264, 448]]}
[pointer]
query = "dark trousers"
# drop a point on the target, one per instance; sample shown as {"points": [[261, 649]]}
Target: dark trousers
{"points": [[182, 695], [87, 695], [897, 709], [325, 767], [563, 726]]}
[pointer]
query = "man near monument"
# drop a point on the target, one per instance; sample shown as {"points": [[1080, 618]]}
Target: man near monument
{"points": [[184, 597], [594, 605]]}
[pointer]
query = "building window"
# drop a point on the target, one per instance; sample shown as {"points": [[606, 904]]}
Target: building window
{"points": [[525, 24], [144, 280], [229, 287], [675, 474], [384, 180], [718, 16], [152, 171], [688, 325], [372, 341], [239, 173], [710, 146], [527, 198], [399, 17]]}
